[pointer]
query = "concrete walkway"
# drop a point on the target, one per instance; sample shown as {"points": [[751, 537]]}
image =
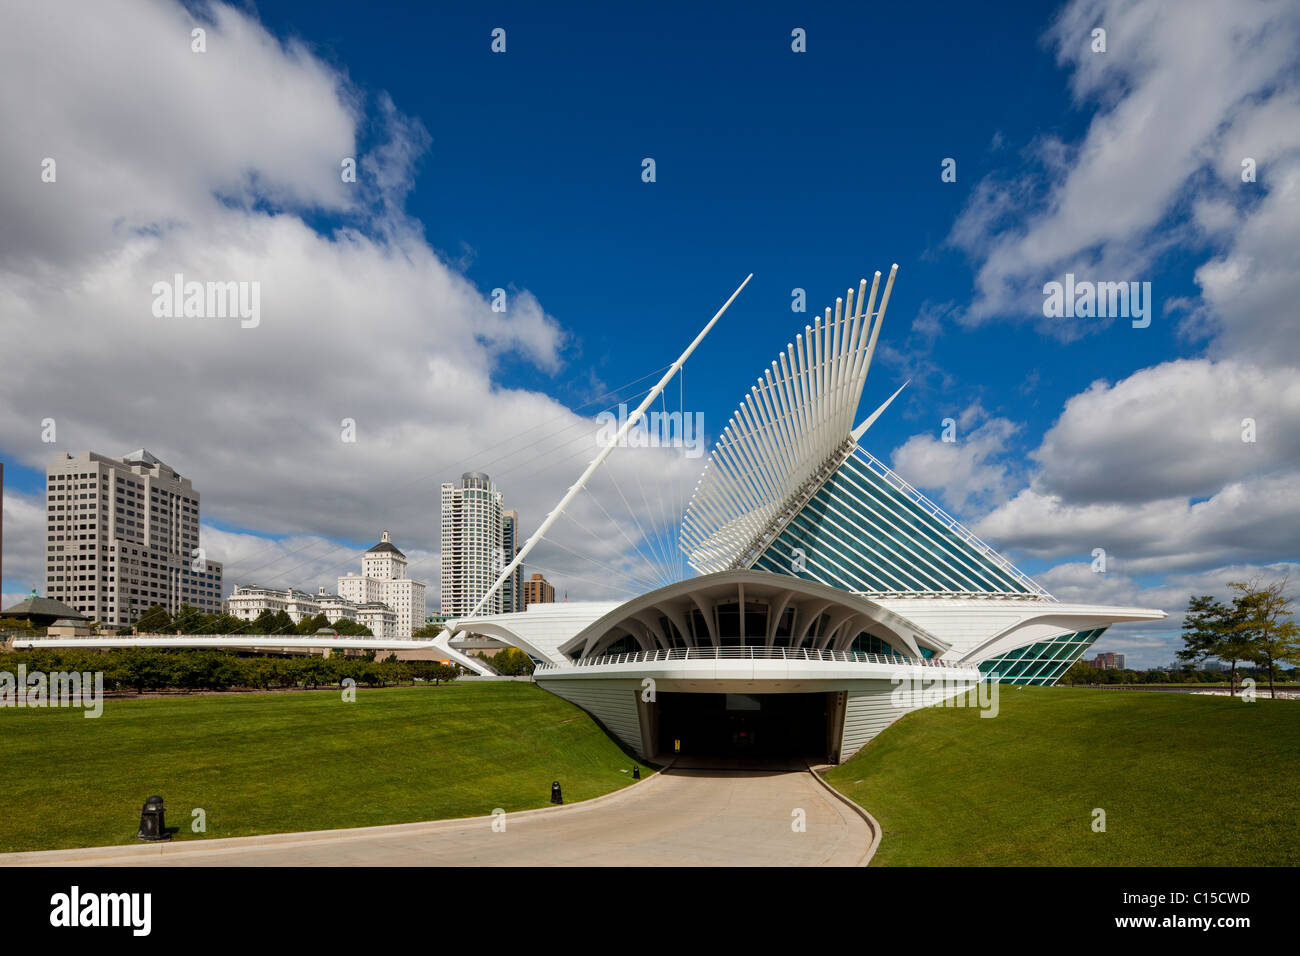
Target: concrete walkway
{"points": [[681, 817]]}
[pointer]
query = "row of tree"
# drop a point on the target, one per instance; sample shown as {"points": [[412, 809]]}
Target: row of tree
{"points": [[1255, 627], [189, 620], [1083, 673], [143, 668]]}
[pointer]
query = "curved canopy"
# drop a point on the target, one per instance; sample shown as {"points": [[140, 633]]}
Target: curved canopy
{"points": [[778, 611]]}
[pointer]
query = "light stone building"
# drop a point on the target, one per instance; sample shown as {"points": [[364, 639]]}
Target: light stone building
{"points": [[247, 602], [336, 608], [123, 535], [383, 581], [382, 620], [381, 598]]}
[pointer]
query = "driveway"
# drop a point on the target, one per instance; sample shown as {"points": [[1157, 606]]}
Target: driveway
{"points": [[685, 816]]}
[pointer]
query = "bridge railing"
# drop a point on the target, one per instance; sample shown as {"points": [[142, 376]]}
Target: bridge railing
{"points": [[743, 654]]}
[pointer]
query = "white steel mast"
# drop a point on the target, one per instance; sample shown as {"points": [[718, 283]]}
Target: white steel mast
{"points": [[442, 641]]}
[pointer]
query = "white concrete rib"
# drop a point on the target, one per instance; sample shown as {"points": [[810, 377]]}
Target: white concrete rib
{"points": [[799, 414]]}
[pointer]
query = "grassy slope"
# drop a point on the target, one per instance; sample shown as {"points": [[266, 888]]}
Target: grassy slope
{"points": [[1184, 780], [267, 763]]}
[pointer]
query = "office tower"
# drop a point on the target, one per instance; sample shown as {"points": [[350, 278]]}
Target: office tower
{"points": [[512, 592], [473, 544], [123, 535]]}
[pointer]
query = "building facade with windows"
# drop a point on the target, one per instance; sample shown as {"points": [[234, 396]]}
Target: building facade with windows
{"points": [[381, 597], [248, 603], [383, 581], [1109, 661], [123, 535], [473, 544], [537, 590], [512, 592], [335, 608], [382, 620]]}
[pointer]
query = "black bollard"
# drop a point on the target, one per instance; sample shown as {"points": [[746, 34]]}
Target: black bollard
{"points": [[152, 826], [556, 796], [636, 773]]}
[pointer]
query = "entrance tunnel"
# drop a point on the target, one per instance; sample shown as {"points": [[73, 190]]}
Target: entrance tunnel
{"points": [[768, 726]]}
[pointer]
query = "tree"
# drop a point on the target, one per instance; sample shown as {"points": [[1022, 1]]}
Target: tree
{"points": [[282, 623], [1081, 672], [264, 623], [345, 628], [1264, 621], [1210, 629], [428, 630], [434, 671], [257, 672], [314, 671], [155, 620], [310, 625], [224, 623], [140, 668], [188, 620], [512, 662]]}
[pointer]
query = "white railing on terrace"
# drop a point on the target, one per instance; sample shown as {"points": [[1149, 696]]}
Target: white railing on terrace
{"points": [[745, 654], [951, 523]]}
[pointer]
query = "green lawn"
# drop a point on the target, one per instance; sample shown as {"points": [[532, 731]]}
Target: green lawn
{"points": [[1184, 780], [268, 763]]}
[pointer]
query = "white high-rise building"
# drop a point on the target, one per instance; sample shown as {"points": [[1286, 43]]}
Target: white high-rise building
{"points": [[383, 580], [123, 535], [473, 544]]}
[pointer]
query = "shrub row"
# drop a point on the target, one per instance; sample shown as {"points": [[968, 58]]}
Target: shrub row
{"points": [[141, 669]]}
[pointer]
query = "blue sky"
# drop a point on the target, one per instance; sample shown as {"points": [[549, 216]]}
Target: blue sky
{"points": [[522, 170], [808, 170]]}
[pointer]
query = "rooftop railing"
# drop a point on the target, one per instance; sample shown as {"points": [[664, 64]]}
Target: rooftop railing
{"points": [[883, 471], [745, 654]]}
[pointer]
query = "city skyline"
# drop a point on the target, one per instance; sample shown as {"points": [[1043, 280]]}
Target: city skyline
{"points": [[383, 565]]}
